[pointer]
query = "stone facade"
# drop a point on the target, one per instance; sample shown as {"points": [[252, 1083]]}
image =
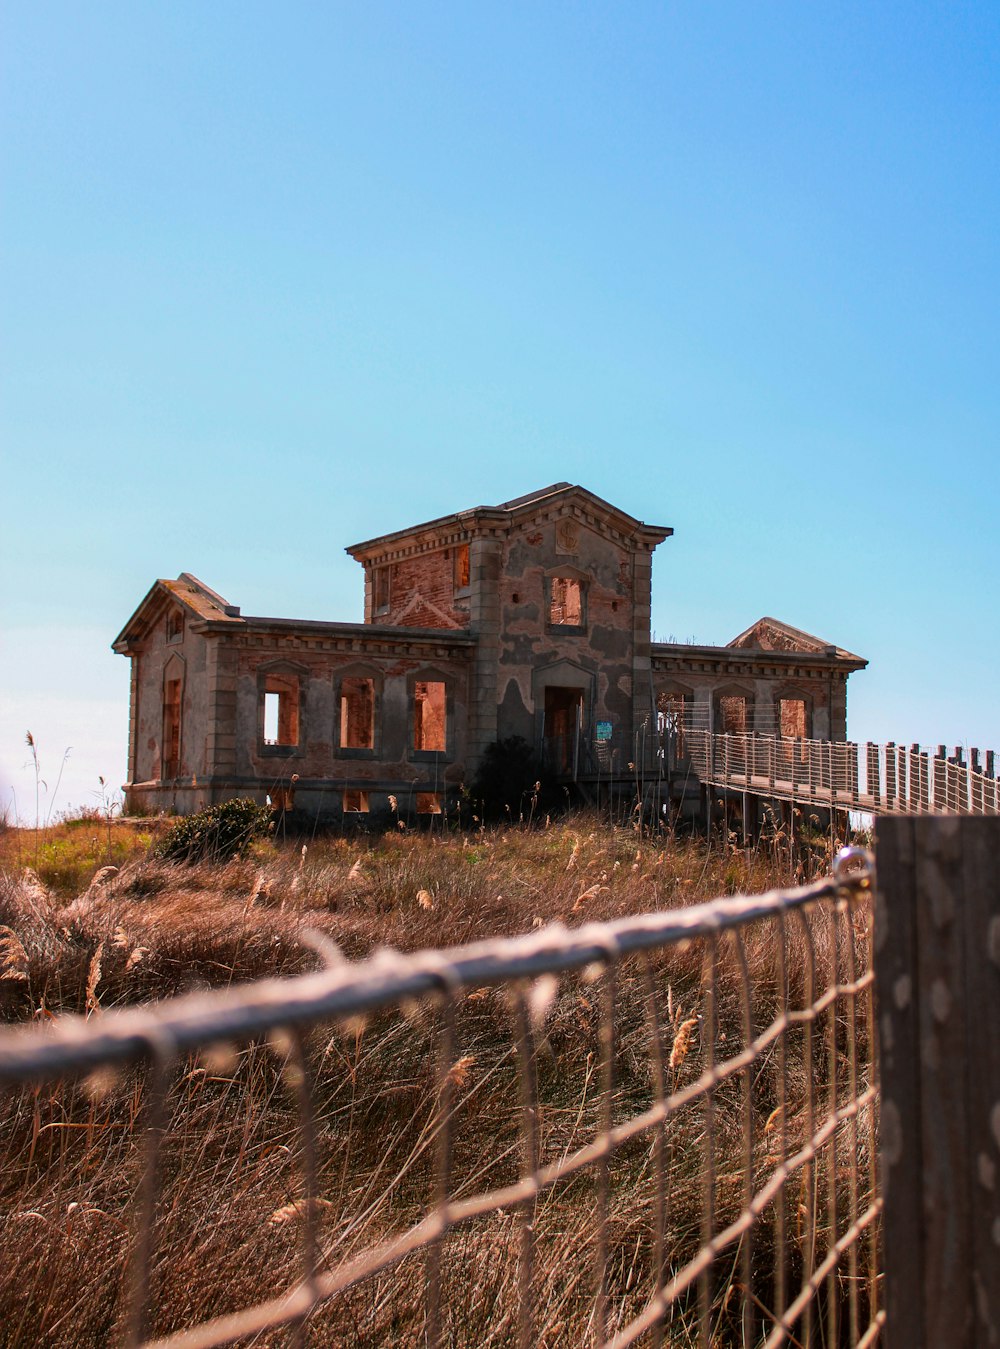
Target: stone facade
{"points": [[531, 618]]}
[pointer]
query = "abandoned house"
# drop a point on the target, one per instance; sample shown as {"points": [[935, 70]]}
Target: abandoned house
{"points": [[531, 618]]}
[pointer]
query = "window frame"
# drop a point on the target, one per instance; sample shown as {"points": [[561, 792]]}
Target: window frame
{"points": [[381, 574], [430, 675], [294, 674], [174, 672], [579, 578], [358, 671]]}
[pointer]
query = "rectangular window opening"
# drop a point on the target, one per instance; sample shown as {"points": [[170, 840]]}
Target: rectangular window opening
{"points": [[429, 803], [380, 590], [462, 567], [792, 716], [175, 625], [355, 801], [357, 713], [281, 711], [566, 602], [671, 709], [172, 729], [733, 714], [430, 716]]}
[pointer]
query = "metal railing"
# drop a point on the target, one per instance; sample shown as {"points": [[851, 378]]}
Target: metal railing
{"points": [[712, 1154]]}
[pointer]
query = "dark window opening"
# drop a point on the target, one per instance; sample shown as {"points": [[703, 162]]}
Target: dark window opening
{"points": [[430, 716], [462, 567], [172, 729], [380, 590], [175, 625], [429, 803], [281, 711], [733, 714], [356, 800], [357, 713], [566, 602]]}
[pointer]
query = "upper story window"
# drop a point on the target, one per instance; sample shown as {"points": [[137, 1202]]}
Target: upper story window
{"points": [[461, 567], [566, 602], [175, 625], [380, 590]]}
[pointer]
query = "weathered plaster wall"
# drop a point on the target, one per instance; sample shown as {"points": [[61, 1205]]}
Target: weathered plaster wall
{"points": [[533, 653], [320, 754], [185, 654]]}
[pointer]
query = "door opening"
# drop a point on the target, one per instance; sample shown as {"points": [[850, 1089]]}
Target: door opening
{"points": [[562, 729]]}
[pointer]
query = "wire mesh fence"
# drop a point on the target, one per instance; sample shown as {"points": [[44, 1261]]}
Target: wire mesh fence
{"points": [[654, 1131]]}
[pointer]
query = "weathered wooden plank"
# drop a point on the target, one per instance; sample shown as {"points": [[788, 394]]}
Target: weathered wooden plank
{"points": [[940, 984], [900, 1144], [871, 771], [981, 912], [938, 973]]}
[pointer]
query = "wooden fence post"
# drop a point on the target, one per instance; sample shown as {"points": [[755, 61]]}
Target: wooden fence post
{"points": [[937, 963]]}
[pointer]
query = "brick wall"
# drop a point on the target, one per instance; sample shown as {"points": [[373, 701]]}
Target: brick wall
{"points": [[422, 593]]}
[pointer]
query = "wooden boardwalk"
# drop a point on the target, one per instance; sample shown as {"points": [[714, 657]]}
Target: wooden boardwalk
{"points": [[843, 775]]}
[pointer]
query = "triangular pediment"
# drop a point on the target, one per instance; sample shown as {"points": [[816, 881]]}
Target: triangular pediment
{"points": [[770, 634], [195, 600]]}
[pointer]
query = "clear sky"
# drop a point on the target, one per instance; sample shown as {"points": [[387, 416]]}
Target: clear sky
{"points": [[279, 277]]}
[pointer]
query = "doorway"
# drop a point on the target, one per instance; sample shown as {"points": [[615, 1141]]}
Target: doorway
{"points": [[561, 730]]}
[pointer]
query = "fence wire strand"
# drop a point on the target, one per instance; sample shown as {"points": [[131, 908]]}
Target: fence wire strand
{"points": [[784, 1245]]}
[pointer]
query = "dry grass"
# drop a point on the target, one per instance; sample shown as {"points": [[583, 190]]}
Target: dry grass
{"points": [[230, 1211]]}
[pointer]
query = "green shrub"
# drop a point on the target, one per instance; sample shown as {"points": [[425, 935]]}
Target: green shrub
{"points": [[217, 833]]}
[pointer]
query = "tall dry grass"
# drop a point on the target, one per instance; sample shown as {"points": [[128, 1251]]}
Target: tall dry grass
{"points": [[230, 1209]]}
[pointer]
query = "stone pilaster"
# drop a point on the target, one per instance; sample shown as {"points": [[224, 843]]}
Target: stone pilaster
{"points": [[485, 557], [642, 573], [220, 733]]}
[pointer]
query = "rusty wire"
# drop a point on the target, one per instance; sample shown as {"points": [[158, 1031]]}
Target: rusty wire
{"points": [[835, 1274]]}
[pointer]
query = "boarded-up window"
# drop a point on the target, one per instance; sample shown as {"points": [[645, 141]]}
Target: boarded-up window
{"points": [[428, 803], [357, 713], [430, 716], [281, 711], [380, 590], [355, 800], [172, 728], [566, 602], [733, 714], [792, 715], [462, 567]]}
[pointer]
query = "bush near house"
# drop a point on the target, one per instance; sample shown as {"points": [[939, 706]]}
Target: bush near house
{"points": [[216, 834]]}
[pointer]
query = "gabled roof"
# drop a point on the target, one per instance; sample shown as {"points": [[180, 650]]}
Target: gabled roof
{"points": [[198, 601], [465, 524], [770, 634]]}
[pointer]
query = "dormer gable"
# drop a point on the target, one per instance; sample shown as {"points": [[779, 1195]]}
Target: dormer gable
{"points": [[176, 603]]}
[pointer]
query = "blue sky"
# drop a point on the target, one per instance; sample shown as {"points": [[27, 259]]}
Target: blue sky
{"points": [[279, 278]]}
